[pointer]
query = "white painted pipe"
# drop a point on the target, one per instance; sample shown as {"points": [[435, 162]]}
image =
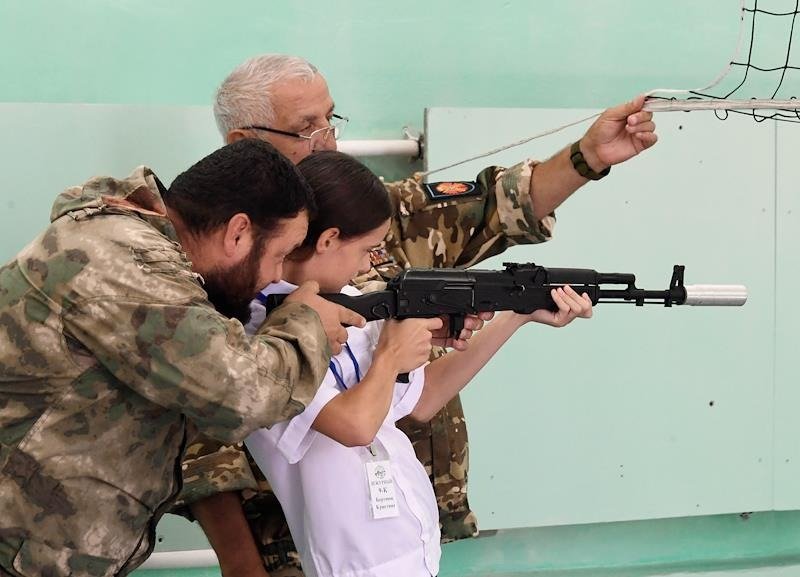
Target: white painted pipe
{"points": [[657, 105], [400, 147], [178, 559]]}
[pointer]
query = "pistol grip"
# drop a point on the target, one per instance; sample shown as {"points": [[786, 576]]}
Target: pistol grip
{"points": [[456, 324]]}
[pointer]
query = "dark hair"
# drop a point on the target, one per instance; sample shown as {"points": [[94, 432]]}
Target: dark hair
{"points": [[348, 195], [248, 176]]}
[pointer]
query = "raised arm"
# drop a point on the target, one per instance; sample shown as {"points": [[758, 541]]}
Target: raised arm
{"points": [[460, 224], [354, 416], [620, 133]]}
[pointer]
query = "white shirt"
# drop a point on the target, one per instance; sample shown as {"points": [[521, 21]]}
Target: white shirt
{"points": [[322, 485]]}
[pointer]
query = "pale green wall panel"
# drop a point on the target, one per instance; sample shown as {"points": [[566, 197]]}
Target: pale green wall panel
{"points": [[613, 419], [787, 379], [48, 147]]}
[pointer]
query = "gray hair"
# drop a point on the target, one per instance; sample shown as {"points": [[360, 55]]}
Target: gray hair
{"points": [[245, 96]]}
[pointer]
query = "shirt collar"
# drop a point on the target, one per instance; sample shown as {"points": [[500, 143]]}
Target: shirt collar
{"points": [[278, 288]]}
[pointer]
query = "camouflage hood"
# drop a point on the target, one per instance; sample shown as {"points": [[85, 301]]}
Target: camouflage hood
{"points": [[139, 193]]}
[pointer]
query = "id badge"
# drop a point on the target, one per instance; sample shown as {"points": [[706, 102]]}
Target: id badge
{"points": [[381, 489]]}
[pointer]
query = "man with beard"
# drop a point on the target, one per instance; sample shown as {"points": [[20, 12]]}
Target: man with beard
{"points": [[112, 353]]}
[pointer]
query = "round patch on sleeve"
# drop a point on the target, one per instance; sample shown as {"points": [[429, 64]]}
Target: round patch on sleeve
{"points": [[439, 191]]}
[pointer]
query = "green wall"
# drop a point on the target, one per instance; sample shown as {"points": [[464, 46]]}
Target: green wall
{"points": [[385, 62]]}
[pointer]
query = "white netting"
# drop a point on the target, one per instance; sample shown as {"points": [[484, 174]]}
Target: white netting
{"points": [[763, 77]]}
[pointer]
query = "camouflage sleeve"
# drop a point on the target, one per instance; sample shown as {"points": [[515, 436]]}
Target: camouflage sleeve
{"points": [[210, 467], [180, 353], [458, 224]]}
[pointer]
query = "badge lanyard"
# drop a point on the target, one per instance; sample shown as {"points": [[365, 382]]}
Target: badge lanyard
{"points": [[383, 503], [340, 377]]}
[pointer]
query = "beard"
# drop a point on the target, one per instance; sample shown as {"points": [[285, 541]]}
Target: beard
{"points": [[231, 289]]}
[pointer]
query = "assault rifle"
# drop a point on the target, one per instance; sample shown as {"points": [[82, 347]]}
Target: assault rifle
{"points": [[522, 288]]}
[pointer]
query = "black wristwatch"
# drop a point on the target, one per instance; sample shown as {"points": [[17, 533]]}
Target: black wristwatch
{"points": [[581, 166]]}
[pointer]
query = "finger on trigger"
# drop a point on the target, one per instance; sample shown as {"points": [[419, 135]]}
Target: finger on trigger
{"points": [[435, 323], [351, 318]]}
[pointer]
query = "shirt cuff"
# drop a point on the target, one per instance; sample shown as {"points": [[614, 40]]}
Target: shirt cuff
{"points": [[515, 204]]}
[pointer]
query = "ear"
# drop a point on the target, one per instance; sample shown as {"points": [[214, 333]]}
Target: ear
{"points": [[238, 236], [236, 134], [327, 240]]}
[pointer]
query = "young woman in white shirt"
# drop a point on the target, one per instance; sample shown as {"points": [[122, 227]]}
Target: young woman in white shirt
{"points": [[357, 500]]}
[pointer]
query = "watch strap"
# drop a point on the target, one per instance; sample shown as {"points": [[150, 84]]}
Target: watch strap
{"points": [[581, 166]]}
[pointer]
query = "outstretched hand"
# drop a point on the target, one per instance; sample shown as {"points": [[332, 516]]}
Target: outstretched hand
{"points": [[618, 134]]}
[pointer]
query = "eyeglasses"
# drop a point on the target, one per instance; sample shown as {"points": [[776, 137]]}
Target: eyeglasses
{"points": [[335, 127]]}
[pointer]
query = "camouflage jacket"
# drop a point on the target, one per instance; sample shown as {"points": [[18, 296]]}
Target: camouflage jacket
{"points": [[108, 347], [450, 224]]}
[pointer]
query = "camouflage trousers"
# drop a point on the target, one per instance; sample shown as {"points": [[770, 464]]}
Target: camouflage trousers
{"points": [[441, 445]]}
